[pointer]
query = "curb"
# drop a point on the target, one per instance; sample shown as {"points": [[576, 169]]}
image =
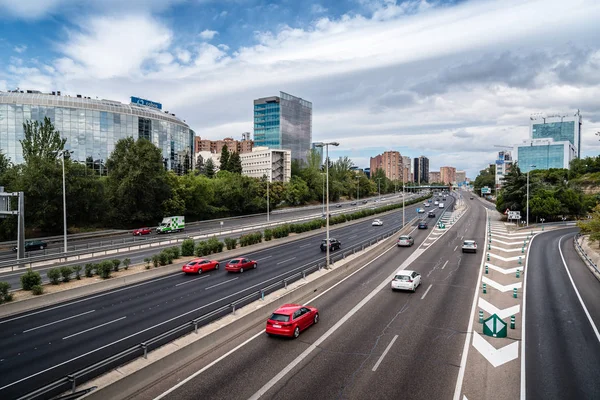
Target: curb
{"points": [[583, 257]]}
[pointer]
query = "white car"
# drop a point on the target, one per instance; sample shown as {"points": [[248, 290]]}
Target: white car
{"points": [[436, 202], [469, 246], [405, 241], [406, 280], [427, 204], [420, 210], [441, 205], [377, 222]]}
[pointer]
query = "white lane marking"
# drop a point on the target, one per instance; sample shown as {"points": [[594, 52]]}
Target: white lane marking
{"points": [[86, 299], [284, 261], [587, 314], [352, 237], [446, 263], [264, 258], [384, 353], [525, 274], [427, 291], [495, 356], [455, 248], [192, 280], [230, 352], [501, 312], [265, 388], [465, 352], [462, 237], [306, 245], [499, 287], [96, 327], [60, 320], [222, 283]]}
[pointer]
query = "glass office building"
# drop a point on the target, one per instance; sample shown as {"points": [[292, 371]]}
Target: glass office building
{"points": [[544, 154], [283, 122], [559, 129], [92, 127]]}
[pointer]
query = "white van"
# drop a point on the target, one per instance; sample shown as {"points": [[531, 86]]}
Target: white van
{"points": [[441, 205]]}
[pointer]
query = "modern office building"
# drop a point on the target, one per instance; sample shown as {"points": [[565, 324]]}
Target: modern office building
{"points": [[421, 170], [216, 146], [560, 128], [434, 177], [544, 154], [503, 164], [275, 165], [283, 122], [318, 149], [447, 175], [92, 127], [391, 164]]}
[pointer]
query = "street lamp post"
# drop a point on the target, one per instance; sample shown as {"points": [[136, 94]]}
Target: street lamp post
{"points": [[323, 208], [379, 187], [357, 189], [326, 145], [268, 216], [530, 167], [62, 156]]}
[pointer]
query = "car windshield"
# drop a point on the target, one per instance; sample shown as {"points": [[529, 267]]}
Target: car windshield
{"points": [[234, 261], [280, 317], [469, 243], [404, 237], [192, 263], [404, 278]]}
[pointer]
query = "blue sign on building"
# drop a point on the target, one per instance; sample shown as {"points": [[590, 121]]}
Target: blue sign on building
{"points": [[144, 102]]}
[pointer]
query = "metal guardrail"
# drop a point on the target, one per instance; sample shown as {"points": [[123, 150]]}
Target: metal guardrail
{"points": [[126, 244], [585, 255], [70, 381]]}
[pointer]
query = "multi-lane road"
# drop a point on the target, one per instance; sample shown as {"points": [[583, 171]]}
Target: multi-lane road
{"points": [[39, 347]]}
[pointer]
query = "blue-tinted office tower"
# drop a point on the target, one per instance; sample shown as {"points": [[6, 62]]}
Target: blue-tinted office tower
{"points": [[283, 122], [554, 142]]}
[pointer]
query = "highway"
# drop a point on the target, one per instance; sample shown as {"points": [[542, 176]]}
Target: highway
{"points": [[562, 345], [138, 256], [44, 345], [79, 242], [370, 343]]}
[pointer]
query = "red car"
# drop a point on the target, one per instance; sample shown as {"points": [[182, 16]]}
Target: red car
{"points": [[142, 231], [200, 265], [291, 319], [240, 265]]}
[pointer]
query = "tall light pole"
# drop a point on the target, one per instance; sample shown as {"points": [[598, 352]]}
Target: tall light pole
{"points": [[357, 189], [61, 154], [530, 167], [323, 208], [326, 145], [379, 187], [268, 179]]}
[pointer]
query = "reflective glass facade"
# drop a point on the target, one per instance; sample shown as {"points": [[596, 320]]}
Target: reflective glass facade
{"points": [[283, 122], [559, 131], [542, 156], [92, 127]]}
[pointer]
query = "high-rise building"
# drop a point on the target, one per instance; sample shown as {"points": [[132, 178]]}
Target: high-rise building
{"points": [[559, 128], [461, 176], [434, 177], [406, 169], [283, 122], [447, 175], [391, 164], [503, 164], [318, 149], [421, 170]]}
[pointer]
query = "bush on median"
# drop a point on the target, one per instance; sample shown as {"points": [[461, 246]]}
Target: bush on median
{"points": [[230, 243], [126, 263], [105, 268], [116, 263], [29, 279], [5, 296], [66, 273], [37, 290], [77, 269], [90, 268], [187, 248], [53, 275]]}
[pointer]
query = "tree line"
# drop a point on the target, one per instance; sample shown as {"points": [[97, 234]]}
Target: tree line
{"points": [[138, 190]]}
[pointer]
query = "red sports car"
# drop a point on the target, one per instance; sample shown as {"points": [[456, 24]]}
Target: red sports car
{"points": [[142, 231], [291, 319], [200, 265], [240, 264]]}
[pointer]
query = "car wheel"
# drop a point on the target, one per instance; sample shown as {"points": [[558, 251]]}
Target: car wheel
{"points": [[42, 247], [199, 271], [241, 270], [316, 319], [296, 332], [255, 265], [217, 266]]}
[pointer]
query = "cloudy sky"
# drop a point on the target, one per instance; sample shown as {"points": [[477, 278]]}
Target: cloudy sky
{"points": [[446, 79]]}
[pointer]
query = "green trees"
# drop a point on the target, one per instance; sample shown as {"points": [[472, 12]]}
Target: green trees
{"points": [[235, 163], [209, 168], [592, 226], [137, 183], [486, 177], [41, 141], [224, 159]]}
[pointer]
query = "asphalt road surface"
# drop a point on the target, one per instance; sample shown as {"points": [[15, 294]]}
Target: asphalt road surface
{"points": [[562, 346], [44, 345], [370, 343]]}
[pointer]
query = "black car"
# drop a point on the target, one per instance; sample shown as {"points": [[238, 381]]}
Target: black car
{"points": [[334, 244], [338, 206], [431, 214], [422, 225], [353, 203], [471, 197], [33, 245]]}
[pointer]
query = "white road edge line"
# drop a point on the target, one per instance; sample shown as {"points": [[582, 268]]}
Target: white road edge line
{"points": [[95, 327], [427, 291], [305, 245], [60, 320], [192, 280], [384, 353], [284, 261], [587, 314], [230, 352], [465, 352], [446, 263], [523, 320], [222, 283]]}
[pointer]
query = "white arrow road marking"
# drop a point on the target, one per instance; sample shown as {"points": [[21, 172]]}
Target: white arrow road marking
{"points": [[505, 271], [496, 357], [505, 249], [502, 288], [507, 258], [502, 313]]}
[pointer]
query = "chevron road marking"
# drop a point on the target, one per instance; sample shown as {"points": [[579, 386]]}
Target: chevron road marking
{"points": [[507, 243], [502, 313], [496, 357], [503, 258], [499, 287], [511, 235], [504, 271], [505, 249]]}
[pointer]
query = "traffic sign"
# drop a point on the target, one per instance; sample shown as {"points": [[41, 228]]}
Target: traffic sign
{"points": [[507, 211], [494, 326], [514, 215]]}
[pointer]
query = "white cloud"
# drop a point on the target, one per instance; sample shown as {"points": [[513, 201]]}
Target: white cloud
{"points": [[318, 9], [183, 55], [20, 49], [207, 34]]}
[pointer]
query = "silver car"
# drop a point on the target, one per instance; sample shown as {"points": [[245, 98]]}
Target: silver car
{"points": [[405, 241], [469, 246]]}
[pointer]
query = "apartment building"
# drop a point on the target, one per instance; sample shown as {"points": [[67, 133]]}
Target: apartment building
{"points": [[447, 175], [274, 164]]}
